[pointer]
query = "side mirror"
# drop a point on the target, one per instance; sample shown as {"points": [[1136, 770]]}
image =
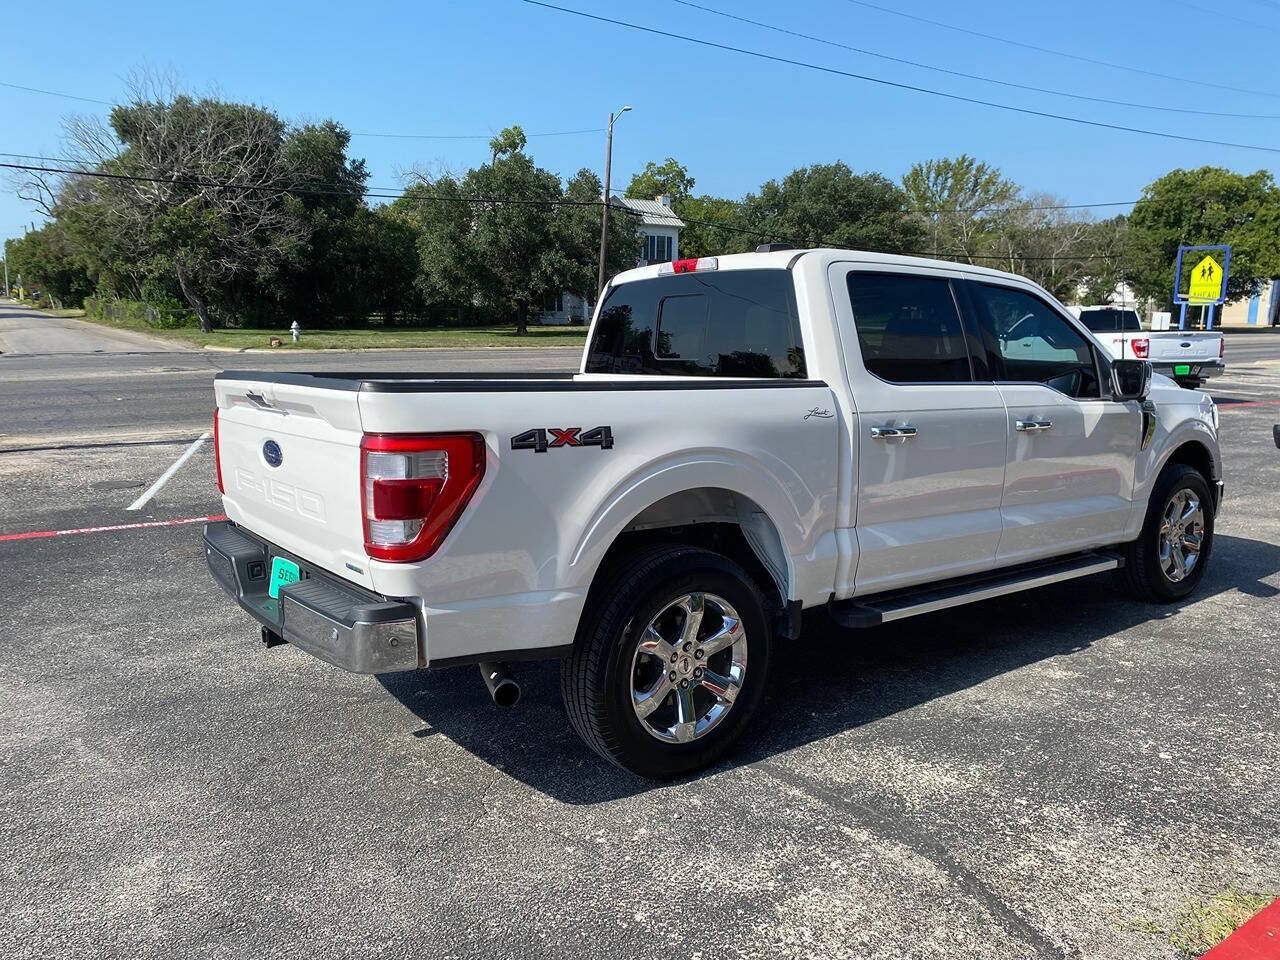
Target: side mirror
{"points": [[1130, 379]]}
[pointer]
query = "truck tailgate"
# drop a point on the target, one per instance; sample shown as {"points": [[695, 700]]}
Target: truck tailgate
{"points": [[1184, 347], [290, 463]]}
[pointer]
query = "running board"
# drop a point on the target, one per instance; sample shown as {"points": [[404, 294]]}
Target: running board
{"points": [[899, 604]]}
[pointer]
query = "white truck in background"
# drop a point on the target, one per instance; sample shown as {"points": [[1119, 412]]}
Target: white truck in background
{"points": [[1189, 357], [877, 436]]}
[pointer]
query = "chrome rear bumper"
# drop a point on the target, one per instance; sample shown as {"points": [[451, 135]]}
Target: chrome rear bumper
{"points": [[335, 621]]}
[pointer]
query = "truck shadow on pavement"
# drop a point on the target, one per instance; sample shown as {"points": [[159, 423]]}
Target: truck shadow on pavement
{"points": [[840, 679]]}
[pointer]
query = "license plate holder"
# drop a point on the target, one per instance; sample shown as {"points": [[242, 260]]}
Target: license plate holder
{"points": [[283, 573], [1182, 369]]}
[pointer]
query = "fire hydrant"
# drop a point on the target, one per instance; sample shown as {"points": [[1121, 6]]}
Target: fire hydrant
{"points": [[295, 330]]}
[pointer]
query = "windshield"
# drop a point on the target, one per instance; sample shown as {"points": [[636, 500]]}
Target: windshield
{"points": [[1111, 321]]}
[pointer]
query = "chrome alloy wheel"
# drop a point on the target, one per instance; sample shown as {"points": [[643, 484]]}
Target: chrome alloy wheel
{"points": [[1181, 535], [688, 667]]}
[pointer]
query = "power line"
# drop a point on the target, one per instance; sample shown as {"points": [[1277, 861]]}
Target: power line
{"points": [[55, 93], [520, 201], [893, 83], [1057, 53], [974, 76], [354, 133], [1199, 8]]}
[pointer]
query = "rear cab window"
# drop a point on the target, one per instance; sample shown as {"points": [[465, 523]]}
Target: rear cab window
{"points": [[1111, 321], [731, 323]]}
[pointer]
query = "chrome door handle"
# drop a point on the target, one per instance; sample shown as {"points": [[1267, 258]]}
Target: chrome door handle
{"points": [[1032, 426], [892, 433]]}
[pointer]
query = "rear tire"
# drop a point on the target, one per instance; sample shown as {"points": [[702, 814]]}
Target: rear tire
{"points": [[653, 694], [1179, 516]]}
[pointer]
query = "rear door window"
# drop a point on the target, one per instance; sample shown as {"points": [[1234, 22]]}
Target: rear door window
{"points": [[909, 329], [735, 323]]}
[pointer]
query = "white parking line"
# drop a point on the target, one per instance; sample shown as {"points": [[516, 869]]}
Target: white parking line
{"points": [[164, 477]]}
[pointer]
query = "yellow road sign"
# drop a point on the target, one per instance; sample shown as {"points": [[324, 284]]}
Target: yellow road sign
{"points": [[1206, 282]]}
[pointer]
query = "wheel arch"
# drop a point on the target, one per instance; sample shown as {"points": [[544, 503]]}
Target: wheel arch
{"points": [[1195, 454]]}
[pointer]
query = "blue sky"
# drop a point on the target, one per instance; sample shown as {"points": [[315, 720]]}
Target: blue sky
{"points": [[473, 66]]}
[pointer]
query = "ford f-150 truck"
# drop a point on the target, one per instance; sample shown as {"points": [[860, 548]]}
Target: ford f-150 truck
{"points": [[1188, 357], [748, 436]]}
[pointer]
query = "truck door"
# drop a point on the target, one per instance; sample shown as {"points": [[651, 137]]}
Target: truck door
{"points": [[930, 450], [1071, 449]]}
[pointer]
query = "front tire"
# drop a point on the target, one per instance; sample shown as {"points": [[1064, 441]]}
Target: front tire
{"points": [[1168, 560], [670, 662]]}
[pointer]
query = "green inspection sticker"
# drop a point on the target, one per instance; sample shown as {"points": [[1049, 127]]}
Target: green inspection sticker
{"points": [[283, 573], [1182, 369]]}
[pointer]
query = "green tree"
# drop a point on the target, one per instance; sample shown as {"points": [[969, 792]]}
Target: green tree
{"points": [[580, 222], [317, 286], [1209, 205], [510, 140], [198, 194], [508, 257], [48, 260], [960, 201], [830, 205], [709, 226], [668, 178]]}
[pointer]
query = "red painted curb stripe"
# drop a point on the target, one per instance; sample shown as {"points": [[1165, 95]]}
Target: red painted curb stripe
{"points": [[1257, 939], [76, 531], [1248, 403]]}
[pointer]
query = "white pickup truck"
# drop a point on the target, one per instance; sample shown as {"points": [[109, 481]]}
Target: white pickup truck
{"points": [[748, 436], [1186, 356]]}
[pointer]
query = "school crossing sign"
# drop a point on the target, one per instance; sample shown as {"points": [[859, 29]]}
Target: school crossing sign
{"points": [[1206, 281], [1202, 275]]}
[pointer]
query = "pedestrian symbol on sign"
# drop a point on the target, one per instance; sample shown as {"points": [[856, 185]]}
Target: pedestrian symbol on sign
{"points": [[1206, 282]]}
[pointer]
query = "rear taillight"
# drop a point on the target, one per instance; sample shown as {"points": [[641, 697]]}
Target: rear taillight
{"points": [[413, 488], [1222, 347], [1141, 347], [217, 451]]}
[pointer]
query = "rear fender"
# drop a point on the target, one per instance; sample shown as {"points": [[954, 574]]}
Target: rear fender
{"points": [[705, 470]]}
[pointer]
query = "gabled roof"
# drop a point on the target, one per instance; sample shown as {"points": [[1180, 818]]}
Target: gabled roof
{"points": [[652, 213]]}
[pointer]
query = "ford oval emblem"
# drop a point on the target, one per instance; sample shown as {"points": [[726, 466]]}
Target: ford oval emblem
{"points": [[272, 454]]}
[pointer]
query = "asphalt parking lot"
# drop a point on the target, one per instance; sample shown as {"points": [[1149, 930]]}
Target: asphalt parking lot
{"points": [[1053, 775]]}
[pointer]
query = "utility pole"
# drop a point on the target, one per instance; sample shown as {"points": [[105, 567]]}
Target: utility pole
{"points": [[604, 210], [6, 269]]}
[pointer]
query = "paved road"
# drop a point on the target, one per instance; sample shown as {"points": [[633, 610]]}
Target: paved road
{"points": [[50, 394], [26, 331], [1050, 776]]}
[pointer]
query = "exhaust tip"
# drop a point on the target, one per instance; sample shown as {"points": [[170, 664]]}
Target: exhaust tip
{"points": [[502, 686]]}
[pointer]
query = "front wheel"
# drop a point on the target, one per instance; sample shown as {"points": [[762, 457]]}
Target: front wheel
{"points": [[1168, 560], [670, 662]]}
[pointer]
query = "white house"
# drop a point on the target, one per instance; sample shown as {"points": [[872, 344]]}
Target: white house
{"points": [[659, 227]]}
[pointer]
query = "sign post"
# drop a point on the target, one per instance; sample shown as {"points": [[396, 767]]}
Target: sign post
{"points": [[1201, 279]]}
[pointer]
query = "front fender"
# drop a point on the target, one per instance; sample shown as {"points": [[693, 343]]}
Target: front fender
{"points": [[1176, 424]]}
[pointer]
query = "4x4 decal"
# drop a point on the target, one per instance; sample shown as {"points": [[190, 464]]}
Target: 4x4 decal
{"points": [[537, 441]]}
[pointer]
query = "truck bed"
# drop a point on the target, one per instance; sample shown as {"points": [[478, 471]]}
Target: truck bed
{"points": [[517, 563]]}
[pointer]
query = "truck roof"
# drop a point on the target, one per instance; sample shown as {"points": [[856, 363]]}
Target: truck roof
{"points": [[781, 259]]}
